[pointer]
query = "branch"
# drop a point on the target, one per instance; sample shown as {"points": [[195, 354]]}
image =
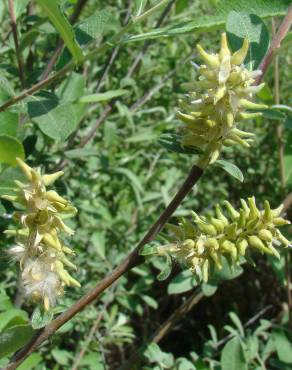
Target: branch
{"points": [[114, 53], [132, 260], [276, 43], [88, 57], [16, 42]]}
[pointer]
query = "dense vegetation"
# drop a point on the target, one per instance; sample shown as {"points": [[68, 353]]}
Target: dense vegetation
{"points": [[108, 120]]}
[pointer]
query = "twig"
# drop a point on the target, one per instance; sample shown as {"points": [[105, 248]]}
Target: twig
{"points": [[114, 53], [91, 333], [77, 11], [164, 328], [276, 43], [132, 260], [287, 203], [147, 43], [279, 133], [16, 43], [89, 56], [108, 109], [247, 324]]}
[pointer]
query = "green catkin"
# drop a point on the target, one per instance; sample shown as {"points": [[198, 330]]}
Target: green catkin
{"points": [[230, 237], [38, 249], [217, 102]]}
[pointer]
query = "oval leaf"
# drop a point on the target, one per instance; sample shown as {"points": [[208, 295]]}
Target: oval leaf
{"points": [[232, 356], [10, 148], [230, 168]]}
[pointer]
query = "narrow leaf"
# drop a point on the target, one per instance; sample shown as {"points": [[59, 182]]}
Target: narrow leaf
{"points": [[53, 10], [95, 98]]}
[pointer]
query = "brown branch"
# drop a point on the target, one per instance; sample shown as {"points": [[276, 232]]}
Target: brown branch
{"points": [[77, 11], [276, 43], [16, 43], [280, 140], [287, 203], [132, 260]]}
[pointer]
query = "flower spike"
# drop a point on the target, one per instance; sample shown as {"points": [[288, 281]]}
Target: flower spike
{"points": [[38, 248]]}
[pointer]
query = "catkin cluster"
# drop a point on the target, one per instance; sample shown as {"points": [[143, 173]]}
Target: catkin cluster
{"points": [[40, 252], [218, 100], [201, 244]]}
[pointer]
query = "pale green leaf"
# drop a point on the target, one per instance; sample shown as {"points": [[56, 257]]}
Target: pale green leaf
{"points": [[56, 120], [31, 362], [230, 168], [240, 25], [232, 356], [10, 148], [283, 346], [41, 318], [8, 123], [181, 283], [95, 98]]}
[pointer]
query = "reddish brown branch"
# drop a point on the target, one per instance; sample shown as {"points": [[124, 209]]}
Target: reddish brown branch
{"points": [[276, 43], [16, 42]]}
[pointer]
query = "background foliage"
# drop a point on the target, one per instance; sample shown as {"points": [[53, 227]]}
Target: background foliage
{"points": [[120, 177]]}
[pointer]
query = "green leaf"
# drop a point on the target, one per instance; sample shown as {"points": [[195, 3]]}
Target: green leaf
{"points": [[226, 273], [241, 25], [151, 302], [172, 142], [71, 88], [7, 178], [31, 362], [232, 356], [263, 9], [61, 356], [148, 250], [12, 317], [288, 160], [283, 346], [95, 98], [81, 153], [93, 26], [181, 283], [41, 318], [56, 120], [98, 241], [10, 148], [14, 338], [166, 269], [209, 289], [8, 123], [6, 90], [19, 7], [230, 168], [53, 10]]}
